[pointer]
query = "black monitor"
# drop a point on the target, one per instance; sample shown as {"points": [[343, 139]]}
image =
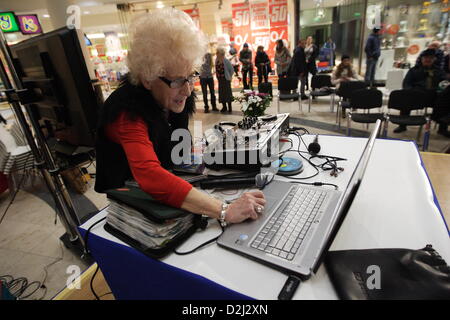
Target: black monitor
{"points": [[53, 67]]}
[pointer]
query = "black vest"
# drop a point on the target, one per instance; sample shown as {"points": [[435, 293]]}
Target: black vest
{"points": [[112, 169]]}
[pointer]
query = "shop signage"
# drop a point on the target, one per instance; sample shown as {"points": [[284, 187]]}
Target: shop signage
{"points": [[259, 16], [8, 22], [29, 24], [260, 24]]}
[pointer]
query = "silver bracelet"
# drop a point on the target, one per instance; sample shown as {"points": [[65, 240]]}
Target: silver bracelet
{"points": [[223, 214]]}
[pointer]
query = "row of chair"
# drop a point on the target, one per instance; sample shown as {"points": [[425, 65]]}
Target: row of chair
{"points": [[400, 100], [321, 86], [356, 96]]}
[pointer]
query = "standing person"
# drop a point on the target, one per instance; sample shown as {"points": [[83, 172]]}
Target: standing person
{"points": [[311, 53], [282, 58], [332, 47], [373, 51], [235, 62], [262, 63], [245, 57], [155, 99], [224, 73], [298, 67], [207, 80]]}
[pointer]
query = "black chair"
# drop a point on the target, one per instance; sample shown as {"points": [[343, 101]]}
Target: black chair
{"points": [[441, 111], [344, 91], [365, 99], [288, 90], [321, 86], [410, 100]]}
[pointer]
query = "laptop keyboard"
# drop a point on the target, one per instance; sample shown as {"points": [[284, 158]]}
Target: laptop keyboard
{"points": [[284, 232]]}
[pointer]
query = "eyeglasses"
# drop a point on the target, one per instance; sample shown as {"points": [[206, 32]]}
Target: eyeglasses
{"points": [[178, 83]]}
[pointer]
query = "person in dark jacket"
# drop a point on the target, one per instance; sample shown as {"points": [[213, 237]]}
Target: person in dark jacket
{"points": [[262, 63], [373, 51], [439, 54], [447, 66], [441, 112], [138, 119], [298, 67], [424, 76], [245, 57]]}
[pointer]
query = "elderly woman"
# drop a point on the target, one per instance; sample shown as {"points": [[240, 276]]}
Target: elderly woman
{"points": [[136, 122], [224, 73]]}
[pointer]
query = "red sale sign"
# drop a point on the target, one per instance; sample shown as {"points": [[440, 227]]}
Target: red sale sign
{"points": [[241, 23], [260, 24], [241, 15], [278, 13], [259, 16]]}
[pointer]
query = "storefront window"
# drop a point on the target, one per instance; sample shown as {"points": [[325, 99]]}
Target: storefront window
{"points": [[350, 24], [316, 21], [407, 28]]}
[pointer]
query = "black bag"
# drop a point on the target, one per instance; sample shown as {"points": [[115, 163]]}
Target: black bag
{"points": [[265, 87], [402, 274]]}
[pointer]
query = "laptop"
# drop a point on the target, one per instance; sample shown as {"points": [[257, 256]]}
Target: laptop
{"points": [[299, 224]]}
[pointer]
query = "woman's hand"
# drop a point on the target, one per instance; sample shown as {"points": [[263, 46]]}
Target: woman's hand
{"points": [[249, 205]]}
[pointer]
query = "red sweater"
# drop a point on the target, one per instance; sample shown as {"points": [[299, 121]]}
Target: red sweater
{"points": [[162, 185]]}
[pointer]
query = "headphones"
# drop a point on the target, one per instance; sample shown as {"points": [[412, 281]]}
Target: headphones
{"points": [[331, 161]]}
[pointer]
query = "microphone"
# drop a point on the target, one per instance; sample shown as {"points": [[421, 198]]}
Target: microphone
{"points": [[314, 147]]}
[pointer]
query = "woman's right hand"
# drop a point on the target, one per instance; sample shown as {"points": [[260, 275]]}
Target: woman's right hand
{"points": [[249, 205]]}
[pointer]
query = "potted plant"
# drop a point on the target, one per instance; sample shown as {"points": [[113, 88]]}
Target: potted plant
{"points": [[252, 103]]}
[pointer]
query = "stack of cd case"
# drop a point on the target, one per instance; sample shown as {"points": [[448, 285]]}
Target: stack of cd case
{"points": [[144, 223]]}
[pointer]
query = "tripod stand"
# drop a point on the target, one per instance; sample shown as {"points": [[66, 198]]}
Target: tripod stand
{"points": [[44, 161]]}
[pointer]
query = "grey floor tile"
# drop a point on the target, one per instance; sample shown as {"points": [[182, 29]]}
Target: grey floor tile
{"points": [[23, 236]]}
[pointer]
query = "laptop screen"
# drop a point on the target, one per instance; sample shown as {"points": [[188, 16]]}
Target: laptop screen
{"points": [[350, 192]]}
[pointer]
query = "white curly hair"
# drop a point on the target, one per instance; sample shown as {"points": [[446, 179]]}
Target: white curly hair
{"points": [[164, 42]]}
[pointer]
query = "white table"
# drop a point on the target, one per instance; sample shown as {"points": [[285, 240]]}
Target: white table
{"points": [[395, 208]]}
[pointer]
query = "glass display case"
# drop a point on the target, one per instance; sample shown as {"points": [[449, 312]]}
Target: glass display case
{"points": [[407, 28]]}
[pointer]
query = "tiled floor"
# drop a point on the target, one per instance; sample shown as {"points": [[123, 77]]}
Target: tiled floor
{"points": [[29, 239]]}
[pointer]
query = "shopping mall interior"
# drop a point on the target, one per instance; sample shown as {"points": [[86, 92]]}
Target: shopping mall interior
{"points": [[53, 88]]}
